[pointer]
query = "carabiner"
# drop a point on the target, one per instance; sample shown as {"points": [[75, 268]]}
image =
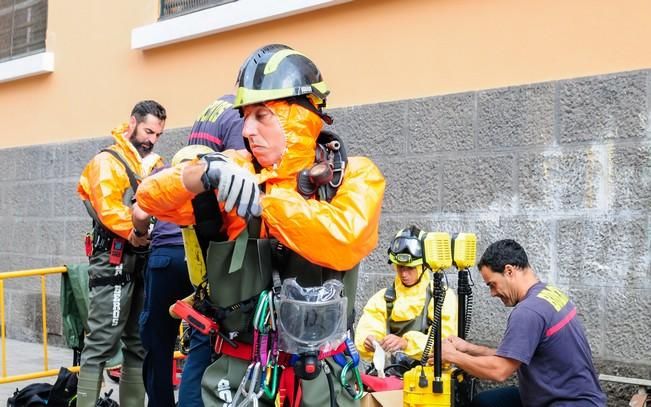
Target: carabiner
{"points": [[272, 316], [241, 389], [347, 386], [260, 311], [250, 395], [271, 375]]}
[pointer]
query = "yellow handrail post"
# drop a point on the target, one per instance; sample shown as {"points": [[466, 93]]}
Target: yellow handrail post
{"points": [[3, 339], [2, 328], [44, 319]]}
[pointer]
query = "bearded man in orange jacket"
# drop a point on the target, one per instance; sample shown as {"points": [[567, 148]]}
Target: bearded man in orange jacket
{"points": [[117, 254]]}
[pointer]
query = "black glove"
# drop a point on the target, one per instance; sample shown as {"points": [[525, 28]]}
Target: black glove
{"points": [[236, 187]]}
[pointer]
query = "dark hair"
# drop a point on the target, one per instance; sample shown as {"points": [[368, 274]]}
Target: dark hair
{"points": [[145, 107], [501, 253]]}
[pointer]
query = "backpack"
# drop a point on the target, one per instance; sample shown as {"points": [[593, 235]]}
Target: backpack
{"points": [[62, 394], [64, 390], [33, 395]]}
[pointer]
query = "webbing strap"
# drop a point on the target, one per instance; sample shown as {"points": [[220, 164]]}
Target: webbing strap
{"points": [[389, 299], [243, 351], [237, 260], [289, 389], [133, 178], [239, 251], [133, 181]]}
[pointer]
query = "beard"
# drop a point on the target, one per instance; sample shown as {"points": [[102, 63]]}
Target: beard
{"points": [[144, 148]]}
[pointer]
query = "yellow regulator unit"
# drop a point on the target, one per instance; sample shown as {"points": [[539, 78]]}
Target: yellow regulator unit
{"points": [[416, 396], [432, 386]]}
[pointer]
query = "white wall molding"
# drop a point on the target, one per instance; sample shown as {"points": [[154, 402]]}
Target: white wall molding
{"points": [[24, 67], [219, 19]]}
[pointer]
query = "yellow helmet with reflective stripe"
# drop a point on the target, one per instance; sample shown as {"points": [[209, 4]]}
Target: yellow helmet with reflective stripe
{"points": [[277, 72], [406, 248]]}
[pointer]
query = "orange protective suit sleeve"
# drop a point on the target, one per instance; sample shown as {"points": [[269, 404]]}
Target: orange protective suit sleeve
{"points": [[164, 196]]}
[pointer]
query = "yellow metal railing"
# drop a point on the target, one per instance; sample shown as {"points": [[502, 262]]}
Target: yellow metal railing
{"points": [[19, 274], [46, 372]]}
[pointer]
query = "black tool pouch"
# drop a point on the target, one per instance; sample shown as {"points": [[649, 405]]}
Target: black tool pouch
{"points": [[238, 271]]}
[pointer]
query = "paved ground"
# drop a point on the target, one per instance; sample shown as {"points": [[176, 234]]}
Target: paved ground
{"points": [[23, 357]]}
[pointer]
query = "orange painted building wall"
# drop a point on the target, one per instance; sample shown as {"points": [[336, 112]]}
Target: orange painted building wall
{"points": [[369, 51]]}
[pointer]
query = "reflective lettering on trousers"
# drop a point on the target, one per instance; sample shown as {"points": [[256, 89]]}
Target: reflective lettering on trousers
{"points": [[224, 392], [117, 294]]}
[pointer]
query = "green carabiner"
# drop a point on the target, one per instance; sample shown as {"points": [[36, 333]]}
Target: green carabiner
{"points": [[358, 378], [273, 376], [261, 311]]}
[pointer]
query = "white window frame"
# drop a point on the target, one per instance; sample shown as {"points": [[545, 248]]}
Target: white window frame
{"points": [[219, 19], [23, 67]]}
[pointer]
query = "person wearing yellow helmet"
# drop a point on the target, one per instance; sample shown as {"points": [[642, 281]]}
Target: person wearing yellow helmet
{"points": [[311, 240], [277, 72], [398, 318]]}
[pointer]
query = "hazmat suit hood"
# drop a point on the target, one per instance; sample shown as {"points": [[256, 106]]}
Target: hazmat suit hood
{"points": [[301, 128], [126, 149]]}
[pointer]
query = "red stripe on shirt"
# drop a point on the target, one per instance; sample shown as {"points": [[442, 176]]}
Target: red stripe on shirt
{"points": [[551, 331], [206, 136]]}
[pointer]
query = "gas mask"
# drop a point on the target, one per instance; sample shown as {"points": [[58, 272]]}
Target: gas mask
{"points": [[311, 319]]}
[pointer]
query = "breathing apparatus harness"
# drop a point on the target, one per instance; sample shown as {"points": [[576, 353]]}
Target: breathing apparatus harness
{"points": [[103, 239], [272, 372]]}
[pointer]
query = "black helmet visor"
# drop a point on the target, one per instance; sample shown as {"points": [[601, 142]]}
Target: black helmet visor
{"points": [[407, 245]]}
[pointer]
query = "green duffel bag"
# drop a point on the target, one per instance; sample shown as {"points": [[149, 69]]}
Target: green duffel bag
{"points": [[237, 272]]}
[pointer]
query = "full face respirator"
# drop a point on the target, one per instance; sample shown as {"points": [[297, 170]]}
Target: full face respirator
{"points": [[311, 320]]}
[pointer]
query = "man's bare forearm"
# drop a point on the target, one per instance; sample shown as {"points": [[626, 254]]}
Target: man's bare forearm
{"points": [[485, 367], [140, 219], [479, 350]]}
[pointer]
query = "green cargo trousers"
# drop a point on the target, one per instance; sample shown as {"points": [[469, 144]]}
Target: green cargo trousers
{"points": [[223, 377], [113, 314]]}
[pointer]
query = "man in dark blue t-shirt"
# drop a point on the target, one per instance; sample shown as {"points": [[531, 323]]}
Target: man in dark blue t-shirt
{"points": [[544, 340], [218, 127]]}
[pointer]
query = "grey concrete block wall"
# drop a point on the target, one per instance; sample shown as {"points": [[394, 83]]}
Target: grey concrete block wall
{"points": [[563, 167]]}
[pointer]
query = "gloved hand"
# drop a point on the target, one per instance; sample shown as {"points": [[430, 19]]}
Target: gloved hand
{"points": [[236, 187]]}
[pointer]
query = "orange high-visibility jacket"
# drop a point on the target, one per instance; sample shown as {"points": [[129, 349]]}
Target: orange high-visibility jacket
{"points": [[336, 234], [104, 182]]}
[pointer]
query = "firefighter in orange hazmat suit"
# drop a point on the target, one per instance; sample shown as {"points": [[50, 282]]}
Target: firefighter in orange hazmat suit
{"points": [[318, 209]]}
